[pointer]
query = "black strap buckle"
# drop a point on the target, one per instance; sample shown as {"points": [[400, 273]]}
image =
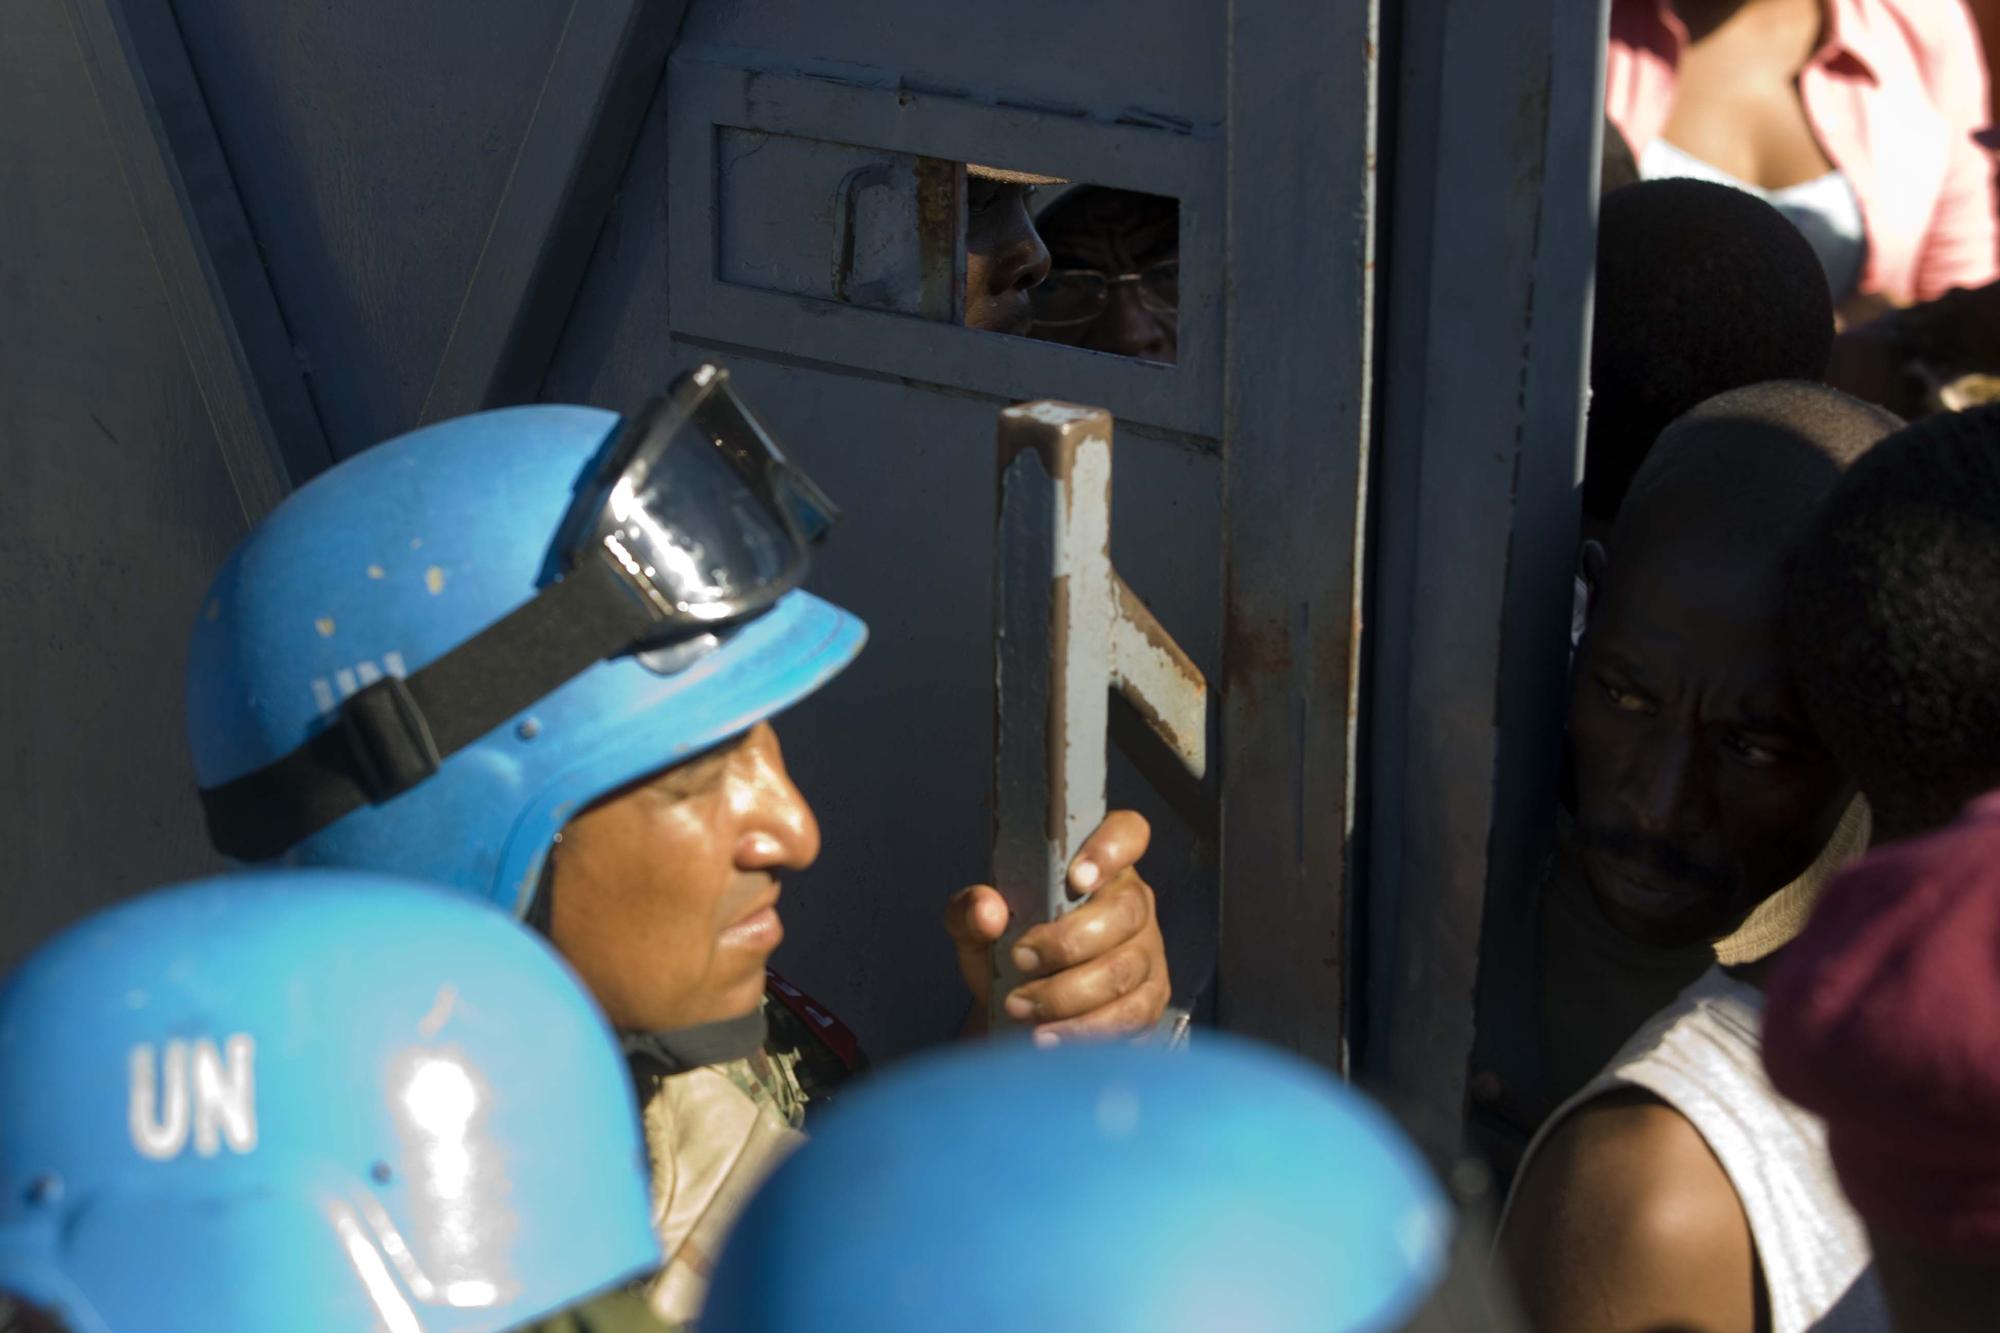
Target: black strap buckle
{"points": [[388, 737], [394, 733]]}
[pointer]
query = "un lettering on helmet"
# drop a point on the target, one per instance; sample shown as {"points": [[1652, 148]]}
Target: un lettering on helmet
{"points": [[193, 1089]]}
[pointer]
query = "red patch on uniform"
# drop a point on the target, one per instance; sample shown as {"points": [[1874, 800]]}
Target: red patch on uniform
{"points": [[833, 1033]]}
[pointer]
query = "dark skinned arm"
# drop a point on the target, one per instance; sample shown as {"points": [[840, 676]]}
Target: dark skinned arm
{"points": [[1626, 1223]]}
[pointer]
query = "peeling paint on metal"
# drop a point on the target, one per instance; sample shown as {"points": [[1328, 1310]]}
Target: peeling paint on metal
{"points": [[1159, 680], [1043, 427], [1051, 413]]}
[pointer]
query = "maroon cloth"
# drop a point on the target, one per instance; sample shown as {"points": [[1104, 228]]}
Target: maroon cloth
{"points": [[1883, 1018]]}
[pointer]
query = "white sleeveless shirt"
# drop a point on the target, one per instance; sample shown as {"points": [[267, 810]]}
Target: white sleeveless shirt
{"points": [[1701, 1056]]}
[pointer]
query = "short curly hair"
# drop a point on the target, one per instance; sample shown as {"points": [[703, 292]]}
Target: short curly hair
{"points": [[1700, 289], [1893, 620]]}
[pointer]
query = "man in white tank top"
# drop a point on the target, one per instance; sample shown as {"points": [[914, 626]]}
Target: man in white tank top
{"points": [[1677, 1190], [1700, 289]]}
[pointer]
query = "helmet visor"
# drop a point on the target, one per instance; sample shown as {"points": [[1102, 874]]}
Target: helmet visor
{"points": [[698, 511]]}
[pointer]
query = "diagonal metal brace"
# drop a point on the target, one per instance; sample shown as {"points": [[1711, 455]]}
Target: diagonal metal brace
{"points": [[1067, 631]]}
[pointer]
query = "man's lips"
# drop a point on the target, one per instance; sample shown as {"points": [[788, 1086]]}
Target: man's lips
{"points": [[1649, 896], [759, 927]]}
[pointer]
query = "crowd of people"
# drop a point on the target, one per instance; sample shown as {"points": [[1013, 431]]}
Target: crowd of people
{"points": [[1765, 1054], [485, 1035]]}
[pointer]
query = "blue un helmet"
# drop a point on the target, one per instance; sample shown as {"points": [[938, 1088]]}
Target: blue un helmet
{"points": [[431, 657], [227, 1108], [1107, 1188]]}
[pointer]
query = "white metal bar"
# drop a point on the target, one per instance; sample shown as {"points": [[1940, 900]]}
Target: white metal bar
{"points": [[1066, 632]]}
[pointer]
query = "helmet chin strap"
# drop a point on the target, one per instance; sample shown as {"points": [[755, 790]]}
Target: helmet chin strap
{"points": [[397, 731], [712, 1043], [541, 913]]}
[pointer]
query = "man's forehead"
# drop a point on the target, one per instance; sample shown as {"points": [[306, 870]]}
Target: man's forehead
{"points": [[1658, 551], [1132, 219], [1696, 601]]}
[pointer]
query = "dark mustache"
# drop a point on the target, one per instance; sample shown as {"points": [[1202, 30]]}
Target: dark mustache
{"points": [[1641, 849]]}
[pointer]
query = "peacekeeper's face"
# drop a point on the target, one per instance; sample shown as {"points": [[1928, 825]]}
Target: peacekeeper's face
{"points": [[1701, 789], [666, 891]]}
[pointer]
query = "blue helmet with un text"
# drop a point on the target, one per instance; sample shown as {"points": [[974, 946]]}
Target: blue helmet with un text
{"points": [[428, 659], [305, 1100]]}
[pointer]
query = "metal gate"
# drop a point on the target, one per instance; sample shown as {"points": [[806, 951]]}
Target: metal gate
{"points": [[331, 222]]}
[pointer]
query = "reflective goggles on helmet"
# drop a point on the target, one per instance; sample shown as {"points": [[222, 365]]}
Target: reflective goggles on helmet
{"points": [[692, 521], [704, 535]]}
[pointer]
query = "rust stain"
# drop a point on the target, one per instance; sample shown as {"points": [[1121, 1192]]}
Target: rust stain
{"points": [[1256, 649], [938, 207], [1142, 619], [1144, 708]]}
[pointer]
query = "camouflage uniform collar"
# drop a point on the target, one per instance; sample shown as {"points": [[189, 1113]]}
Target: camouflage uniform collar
{"points": [[704, 1044]]}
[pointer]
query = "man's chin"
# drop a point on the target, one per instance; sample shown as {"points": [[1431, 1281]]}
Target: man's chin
{"points": [[719, 1004], [1653, 932], [744, 992], [1660, 916]]}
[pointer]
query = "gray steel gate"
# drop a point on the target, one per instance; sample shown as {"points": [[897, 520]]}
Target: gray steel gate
{"points": [[314, 225]]}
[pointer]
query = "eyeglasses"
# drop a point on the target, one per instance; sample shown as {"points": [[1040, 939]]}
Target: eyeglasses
{"points": [[1072, 296]]}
